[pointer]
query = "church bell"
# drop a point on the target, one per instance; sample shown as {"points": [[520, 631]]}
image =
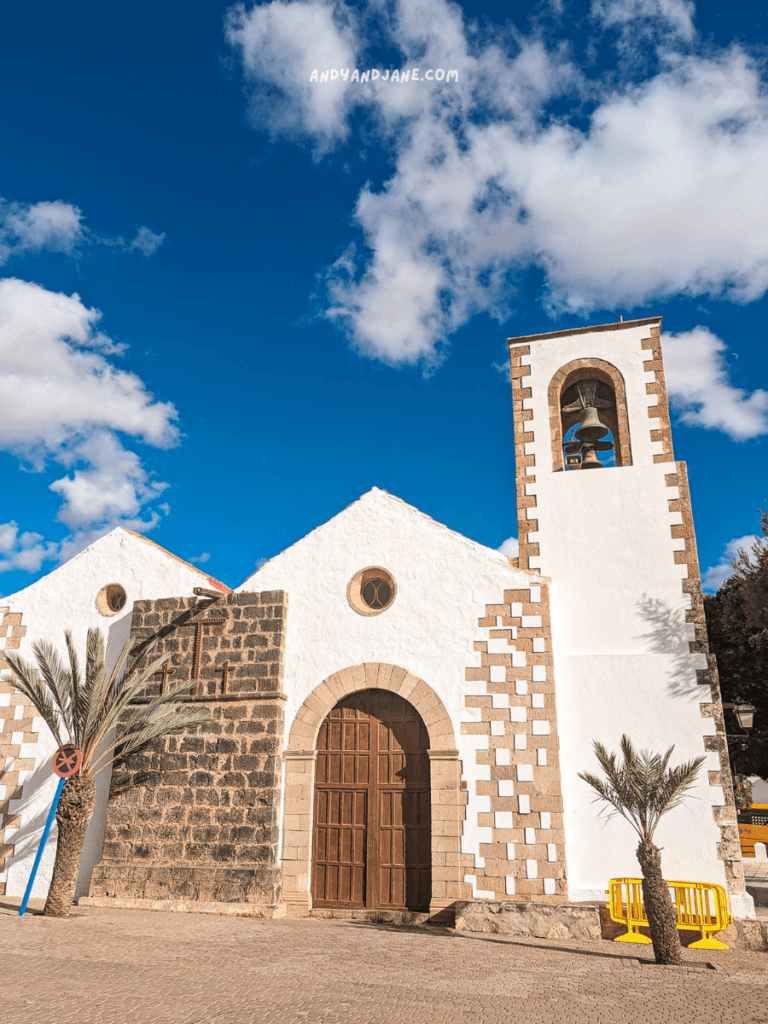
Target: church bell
{"points": [[590, 429], [589, 459]]}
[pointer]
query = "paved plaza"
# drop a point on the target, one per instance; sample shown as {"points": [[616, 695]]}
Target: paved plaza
{"points": [[105, 966], [756, 877]]}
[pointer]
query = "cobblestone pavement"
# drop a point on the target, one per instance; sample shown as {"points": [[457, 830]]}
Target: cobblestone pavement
{"points": [[105, 966]]}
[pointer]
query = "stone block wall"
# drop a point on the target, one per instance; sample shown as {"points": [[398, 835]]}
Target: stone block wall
{"points": [[16, 728], [195, 815], [518, 804]]}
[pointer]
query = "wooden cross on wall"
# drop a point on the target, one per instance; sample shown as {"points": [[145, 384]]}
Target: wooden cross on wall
{"points": [[198, 651], [165, 671], [226, 668]]}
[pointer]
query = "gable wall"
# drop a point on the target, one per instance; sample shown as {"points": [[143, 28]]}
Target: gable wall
{"points": [[463, 624], [66, 599]]}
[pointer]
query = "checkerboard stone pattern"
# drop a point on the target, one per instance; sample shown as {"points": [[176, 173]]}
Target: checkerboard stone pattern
{"points": [[517, 776], [16, 728], [195, 815]]}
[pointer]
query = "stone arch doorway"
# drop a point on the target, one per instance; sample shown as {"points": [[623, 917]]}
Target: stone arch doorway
{"points": [[372, 812], [447, 799]]}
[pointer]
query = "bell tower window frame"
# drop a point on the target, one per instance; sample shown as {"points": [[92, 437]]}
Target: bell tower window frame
{"points": [[615, 419]]}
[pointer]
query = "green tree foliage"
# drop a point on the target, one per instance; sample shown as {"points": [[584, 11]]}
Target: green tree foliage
{"points": [[737, 624]]}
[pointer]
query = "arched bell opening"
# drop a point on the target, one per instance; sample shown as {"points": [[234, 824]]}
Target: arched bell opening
{"points": [[586, 409], [588, 413]]}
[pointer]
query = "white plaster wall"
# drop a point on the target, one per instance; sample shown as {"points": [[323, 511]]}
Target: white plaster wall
{"points": [[443, 581], [66, 599], [606, 538], [599, 697], [620, 639]]}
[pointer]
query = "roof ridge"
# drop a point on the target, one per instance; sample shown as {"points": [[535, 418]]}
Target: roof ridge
{"points": [[211, 579], [411, 508]]}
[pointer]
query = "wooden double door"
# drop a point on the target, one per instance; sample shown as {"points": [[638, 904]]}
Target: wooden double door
{"points": [[372, 843]]}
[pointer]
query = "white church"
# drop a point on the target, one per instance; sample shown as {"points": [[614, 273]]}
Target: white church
{"points": [[434, 699]]}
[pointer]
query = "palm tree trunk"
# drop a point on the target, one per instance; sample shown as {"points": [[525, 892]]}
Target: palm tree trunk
{"points": [[72, 817], [658, 907]]}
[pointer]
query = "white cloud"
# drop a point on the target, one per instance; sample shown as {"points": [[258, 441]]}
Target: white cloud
{"points": [[699, 389], [638, 15], [714, 577], [280, 44], [201, 559], [113, 487], [146, 242], [31, 227], [25, 551], [58, 227], [650, 190], [55, 384], [510, 547], [504, 368], [63, 400]]}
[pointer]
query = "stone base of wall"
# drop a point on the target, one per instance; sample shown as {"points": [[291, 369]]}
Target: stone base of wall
{"points": [[537, 920], [745, 933], [185, 907], [584, 921], [206, 883]]}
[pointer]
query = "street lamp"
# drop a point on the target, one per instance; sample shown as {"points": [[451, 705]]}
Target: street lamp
{"points": [[745, 715]]}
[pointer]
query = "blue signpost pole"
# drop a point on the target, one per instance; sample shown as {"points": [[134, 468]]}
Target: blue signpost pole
{"points": [[41, 847]]}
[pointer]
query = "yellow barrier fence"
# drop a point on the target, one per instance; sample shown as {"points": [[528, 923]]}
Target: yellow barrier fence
{"points": [[700, 906]]}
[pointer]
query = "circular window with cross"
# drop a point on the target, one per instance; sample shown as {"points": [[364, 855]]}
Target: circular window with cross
{"points": [[371, 591], [111, 599]]}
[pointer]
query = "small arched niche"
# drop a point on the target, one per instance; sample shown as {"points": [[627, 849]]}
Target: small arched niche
{"points": [[588, 416]]}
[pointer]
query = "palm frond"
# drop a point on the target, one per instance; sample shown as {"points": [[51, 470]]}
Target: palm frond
{"points": [[149, 721], [140, 713], [180, 717], [119, 669], [644, 787], [116, 701], [32, 686], [57, 678], [80, 690], [99, 714], [95, 728]]}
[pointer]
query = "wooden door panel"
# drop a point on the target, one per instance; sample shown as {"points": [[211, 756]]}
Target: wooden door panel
{"points": [[372, 841], [338, 876]]}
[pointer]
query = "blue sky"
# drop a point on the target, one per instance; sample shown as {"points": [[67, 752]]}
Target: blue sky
{"points": [[232, 300]]}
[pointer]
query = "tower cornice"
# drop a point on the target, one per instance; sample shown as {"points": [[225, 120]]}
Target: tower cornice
{"points": [[584, 330]]}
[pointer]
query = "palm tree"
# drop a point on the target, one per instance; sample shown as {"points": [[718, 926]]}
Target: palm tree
{"points": [[95, 714], [641, 790]]}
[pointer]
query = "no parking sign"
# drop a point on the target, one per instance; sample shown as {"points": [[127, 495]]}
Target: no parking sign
{"points": [[67, 760]]}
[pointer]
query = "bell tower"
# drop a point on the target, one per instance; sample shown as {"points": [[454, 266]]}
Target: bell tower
{"points": [[628, 629]]}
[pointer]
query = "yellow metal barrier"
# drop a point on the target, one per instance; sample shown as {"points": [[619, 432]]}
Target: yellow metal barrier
{"points": [[700, 906]]}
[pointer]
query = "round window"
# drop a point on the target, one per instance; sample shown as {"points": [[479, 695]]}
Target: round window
{"points": [[372, 590], [111, 599]]}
